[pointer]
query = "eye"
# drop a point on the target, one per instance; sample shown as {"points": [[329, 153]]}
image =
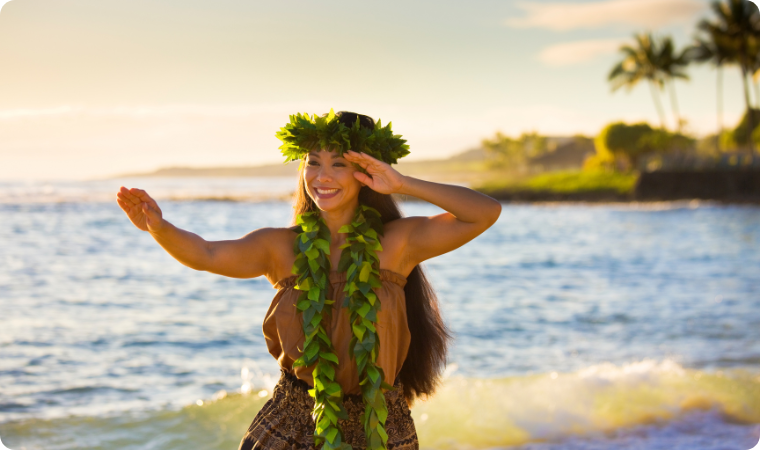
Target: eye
{"points": [[312, 163], [339, 164]]}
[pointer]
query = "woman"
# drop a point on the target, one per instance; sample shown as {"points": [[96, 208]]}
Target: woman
{"points": [[340, 336]]}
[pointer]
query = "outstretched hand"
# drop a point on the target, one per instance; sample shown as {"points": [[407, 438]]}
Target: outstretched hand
{"points": [[382, 177], [141, 209]]}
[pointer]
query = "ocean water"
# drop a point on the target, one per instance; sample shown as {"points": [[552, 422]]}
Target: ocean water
{"points": [[576, 327]]}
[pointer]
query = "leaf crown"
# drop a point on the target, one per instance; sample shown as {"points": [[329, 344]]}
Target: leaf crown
{"points": [[304, 133]]}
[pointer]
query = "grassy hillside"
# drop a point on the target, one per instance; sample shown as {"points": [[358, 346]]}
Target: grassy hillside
{"points": [[571, 185]]}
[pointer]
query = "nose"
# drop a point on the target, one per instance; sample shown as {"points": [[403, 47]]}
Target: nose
{"points": [[324, 174]]}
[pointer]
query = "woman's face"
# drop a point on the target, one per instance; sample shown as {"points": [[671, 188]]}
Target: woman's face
{"points": [[330, 180]]}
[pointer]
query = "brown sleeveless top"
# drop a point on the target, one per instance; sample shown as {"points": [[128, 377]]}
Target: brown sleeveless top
{"points": [[284, 333]]}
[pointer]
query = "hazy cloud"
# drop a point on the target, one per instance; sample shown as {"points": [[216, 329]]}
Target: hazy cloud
{"points": [[568, 53], [160, 111], [639, 13]]}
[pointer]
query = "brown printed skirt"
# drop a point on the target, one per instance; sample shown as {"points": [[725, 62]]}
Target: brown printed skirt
{"points": [[285, 422]]}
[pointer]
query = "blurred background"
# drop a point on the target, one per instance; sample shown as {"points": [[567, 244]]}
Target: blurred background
{"points": [[615, 304]]}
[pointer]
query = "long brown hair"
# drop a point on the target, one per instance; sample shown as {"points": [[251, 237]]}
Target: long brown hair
{"points": [[426, 359]]}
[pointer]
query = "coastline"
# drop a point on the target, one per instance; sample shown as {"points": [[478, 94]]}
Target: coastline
{"points": [[722, 186], [568, 186], [584, 198]]}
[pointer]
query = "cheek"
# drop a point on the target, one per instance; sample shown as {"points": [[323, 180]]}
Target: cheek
{"points": [[349, 181], [309, 175]]}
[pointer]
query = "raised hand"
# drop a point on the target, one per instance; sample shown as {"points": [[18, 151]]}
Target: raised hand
{"points": [[141, 209], [382, 177]]}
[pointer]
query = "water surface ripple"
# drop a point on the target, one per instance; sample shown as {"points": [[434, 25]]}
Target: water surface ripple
{"points": [[97, 318]]}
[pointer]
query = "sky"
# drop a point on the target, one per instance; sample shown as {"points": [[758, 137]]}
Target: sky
{"points": [[96, 88]]}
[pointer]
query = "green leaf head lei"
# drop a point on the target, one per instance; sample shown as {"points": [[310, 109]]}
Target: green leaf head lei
{"points": [[362, 266], [303, 133]]}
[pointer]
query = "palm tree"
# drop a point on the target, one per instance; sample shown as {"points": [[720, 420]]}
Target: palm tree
{"points": [[737, 29], [756, 75], [672, 66], [640, 62], [712, 51]]}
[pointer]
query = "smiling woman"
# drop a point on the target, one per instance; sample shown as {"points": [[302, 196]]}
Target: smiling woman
{"points": [[358, 344]]}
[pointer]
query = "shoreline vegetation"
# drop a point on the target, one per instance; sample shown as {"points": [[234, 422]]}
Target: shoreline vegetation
{"points": [[573, 186]]}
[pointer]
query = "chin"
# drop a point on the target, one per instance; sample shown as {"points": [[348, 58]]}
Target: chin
{"points": [[326, 205]]}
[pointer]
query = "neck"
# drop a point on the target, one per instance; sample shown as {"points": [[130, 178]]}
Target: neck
{"points": [[335, 219]]}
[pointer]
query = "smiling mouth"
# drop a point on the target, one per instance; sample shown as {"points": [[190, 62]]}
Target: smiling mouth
{"points": [[326, 193]]}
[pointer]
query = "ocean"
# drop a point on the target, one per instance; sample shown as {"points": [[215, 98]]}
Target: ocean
{"points": [[626, 326]]}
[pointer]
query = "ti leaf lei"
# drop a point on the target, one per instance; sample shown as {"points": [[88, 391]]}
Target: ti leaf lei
{"points": [[360, 262]]}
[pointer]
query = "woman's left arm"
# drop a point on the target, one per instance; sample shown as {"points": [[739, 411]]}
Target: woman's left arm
{"points": [[469, 213]]}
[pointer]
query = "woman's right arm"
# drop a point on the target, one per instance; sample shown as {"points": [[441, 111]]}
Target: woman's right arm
{"points": [[247, 257]]}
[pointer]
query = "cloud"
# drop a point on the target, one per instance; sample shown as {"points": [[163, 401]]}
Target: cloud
{"points": [[2, 3], [160, 111], [577, 15], [568, 53]]}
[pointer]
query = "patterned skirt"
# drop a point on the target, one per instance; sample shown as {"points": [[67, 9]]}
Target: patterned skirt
{"points": [[285, 422]]}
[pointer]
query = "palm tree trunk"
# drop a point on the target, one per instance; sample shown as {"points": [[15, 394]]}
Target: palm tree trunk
{"points": [[720, 106], [750, 113], [746, 89], [657, 104], [674, 104]]}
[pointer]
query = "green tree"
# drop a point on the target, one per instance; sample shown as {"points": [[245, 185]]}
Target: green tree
{"points": [[624, 141], [672, 65], [630, 142], [742, 134], [641, 61], [506, 151], [718, 54], [736, 29]]}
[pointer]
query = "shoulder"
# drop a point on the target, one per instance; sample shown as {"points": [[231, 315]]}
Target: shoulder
{"points": [[280, 239], [403, 227], [279, 242], [270, 235], [273, 244], [395, 255]]}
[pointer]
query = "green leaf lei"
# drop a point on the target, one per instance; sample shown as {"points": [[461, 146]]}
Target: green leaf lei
{"points": [[303, 133], [360, 262]]}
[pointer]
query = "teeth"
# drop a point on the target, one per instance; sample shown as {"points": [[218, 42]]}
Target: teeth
{"points": [[327, 191]]}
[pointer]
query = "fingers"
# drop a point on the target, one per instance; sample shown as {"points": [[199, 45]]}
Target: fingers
{"points": [[125, 205], [356, 159], [359, 157], [125, 201], [148, 210], [366, 161], [129, 196], [363, 178], [136, 197], [142, 195]]}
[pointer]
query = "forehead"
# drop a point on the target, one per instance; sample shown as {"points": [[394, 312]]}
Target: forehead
{"points": [[324, 153]]}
